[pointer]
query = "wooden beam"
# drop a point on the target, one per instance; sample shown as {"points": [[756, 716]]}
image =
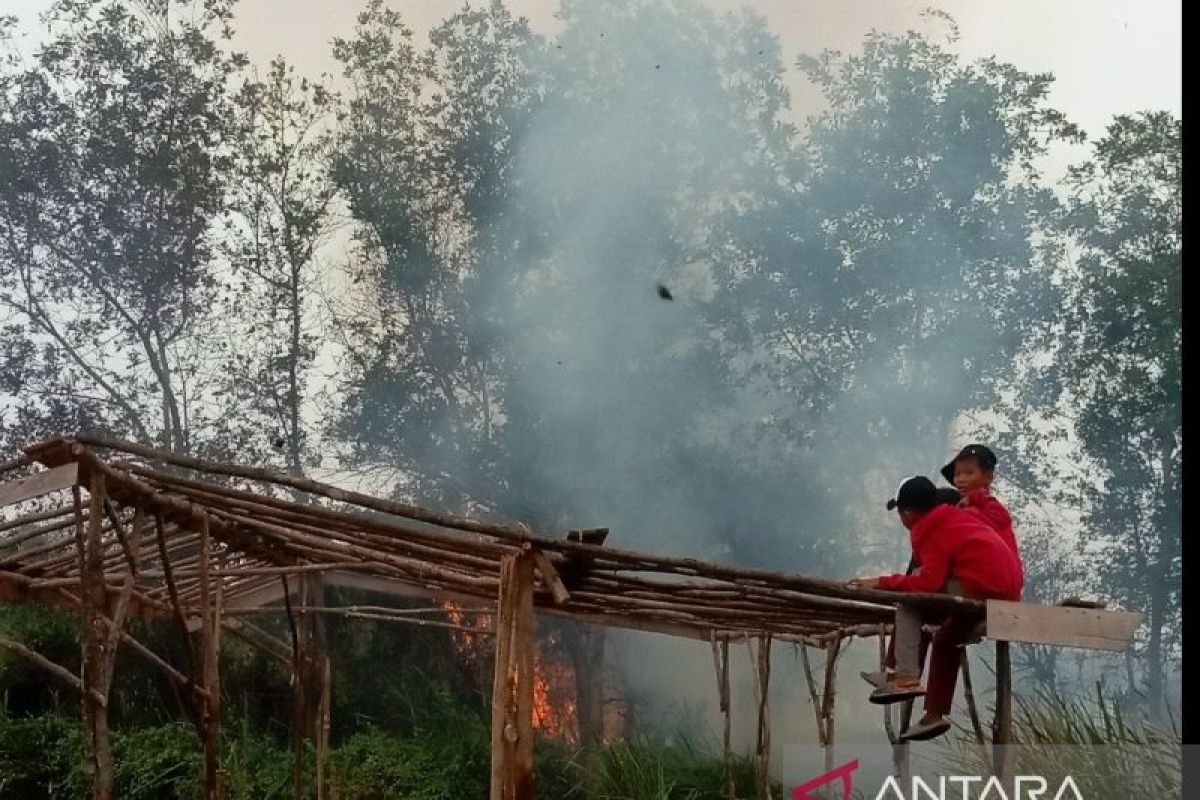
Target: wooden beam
{"points": [[60, 672], [41, 483], [1090, 628], [512, 688], [550, 577]]}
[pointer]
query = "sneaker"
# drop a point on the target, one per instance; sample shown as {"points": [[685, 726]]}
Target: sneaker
{"points": [[896, 692], [925, 730]]}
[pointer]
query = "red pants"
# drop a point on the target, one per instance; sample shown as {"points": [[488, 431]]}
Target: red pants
{"points": [[945, 654], [945, 659]]}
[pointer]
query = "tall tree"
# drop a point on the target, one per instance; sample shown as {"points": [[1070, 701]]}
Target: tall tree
{"points": [[111, 145], [889, 282], [410, 403], [1121, 371], [281, 215]]}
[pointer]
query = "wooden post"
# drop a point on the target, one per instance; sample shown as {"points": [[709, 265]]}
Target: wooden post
{"points": [[210, 633], [762, 684], [831, 655], [900, 751], [1002, 755], [94, 636], [721, 661], [323, 731], [512, 688], [818, 706], [309, 659], [972, 708], [900, 762]]}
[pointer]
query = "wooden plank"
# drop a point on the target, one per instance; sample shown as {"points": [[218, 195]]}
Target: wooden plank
{"points": [[1088, 628], [37, 485]]}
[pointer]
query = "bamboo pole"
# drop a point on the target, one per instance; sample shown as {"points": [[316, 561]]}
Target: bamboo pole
{"points": [[721, 662], [604, 558], [39, 516], [40, 661], [32, 533], [512, 689], [94, 640], [297, 726], [125, 638], [829, 695], [210, 653], [969, 693], [762, 685], [818, 707], [323, 732]]}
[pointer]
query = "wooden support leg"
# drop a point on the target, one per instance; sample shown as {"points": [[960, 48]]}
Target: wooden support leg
{"points": [[1002, 755], [900, 751], [832, 649], [900, 760], [210, 634], [721, 661], [818, 708], [763, 744], [309, 658], [323, 731], [969, 694], [586, 647], [297, 726], [512, 688], [94, 637]]}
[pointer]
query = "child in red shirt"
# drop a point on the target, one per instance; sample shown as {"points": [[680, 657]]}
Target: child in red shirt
{"points": [[972, 472], [959, 553]]}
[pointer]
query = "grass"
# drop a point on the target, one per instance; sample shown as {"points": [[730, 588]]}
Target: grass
{"points": [[1089, 738], [42, 756]]}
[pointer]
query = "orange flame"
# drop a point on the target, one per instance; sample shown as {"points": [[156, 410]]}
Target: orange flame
{"points": [[554, 712]]}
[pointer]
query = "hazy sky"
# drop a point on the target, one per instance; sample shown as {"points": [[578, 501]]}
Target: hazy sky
{"points": [[1109, 56]]}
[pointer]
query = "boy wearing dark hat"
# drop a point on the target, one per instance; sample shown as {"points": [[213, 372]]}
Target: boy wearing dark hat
{"points": [[972, 472], [947, 496], [961, 554]]}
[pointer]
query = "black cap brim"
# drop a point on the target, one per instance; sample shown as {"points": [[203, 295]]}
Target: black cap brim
{"points": [[891, 504], [948, 471]]}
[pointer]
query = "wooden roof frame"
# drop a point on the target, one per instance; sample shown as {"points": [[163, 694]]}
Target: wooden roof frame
{"points": [[206, 544]]}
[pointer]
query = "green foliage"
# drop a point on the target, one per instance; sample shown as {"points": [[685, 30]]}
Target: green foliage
{"points": [[156, 763], [441, 764], [646, 769], [843, 293], [50, 631], [1089, 738], [1122, 365], [42, 757], [110, 143]]}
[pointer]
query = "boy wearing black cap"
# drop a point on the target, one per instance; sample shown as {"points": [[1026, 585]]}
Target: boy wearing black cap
{"points": [[945, 496], [961, 554], [972, 472]]}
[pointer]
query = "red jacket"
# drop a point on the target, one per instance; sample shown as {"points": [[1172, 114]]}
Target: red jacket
{"points": [[996, 515], [957, 542]]}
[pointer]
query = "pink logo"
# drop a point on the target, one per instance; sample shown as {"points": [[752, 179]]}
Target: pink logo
{"points": [[801, 792]]}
